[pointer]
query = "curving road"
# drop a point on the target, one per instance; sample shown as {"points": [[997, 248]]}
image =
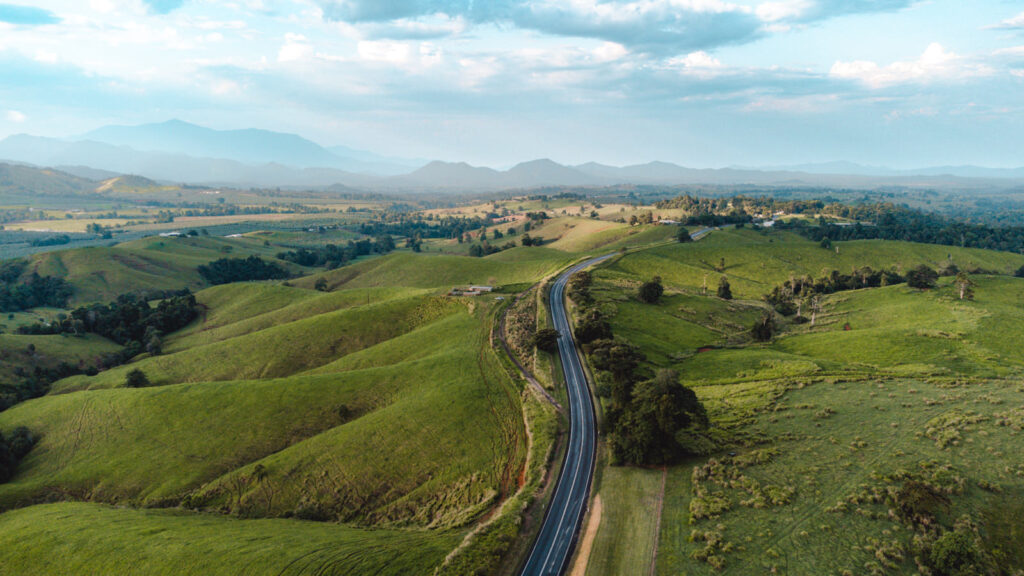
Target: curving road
{"points": [[553, 548]]}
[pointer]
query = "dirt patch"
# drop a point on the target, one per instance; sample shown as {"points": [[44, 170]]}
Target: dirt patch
{"points": [[593, 523]]}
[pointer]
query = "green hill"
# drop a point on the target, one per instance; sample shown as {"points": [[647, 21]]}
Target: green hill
{"points": [[822, 429], [71, 539], [104, 273]]}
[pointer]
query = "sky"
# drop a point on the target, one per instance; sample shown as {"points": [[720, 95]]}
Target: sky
{"points": [[703, 83]]}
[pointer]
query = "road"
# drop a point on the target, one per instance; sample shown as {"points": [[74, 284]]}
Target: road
{"points": [[553, 549], [554, 545]]}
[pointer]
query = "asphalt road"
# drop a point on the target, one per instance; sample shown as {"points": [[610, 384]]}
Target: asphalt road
{"points": [[554, 545], [553, 549]]}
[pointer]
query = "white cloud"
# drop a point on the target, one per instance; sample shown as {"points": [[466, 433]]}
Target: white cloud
{"points": [[16, 117], [385, 51], [296, 48], [934, 64], [1017, 22]]}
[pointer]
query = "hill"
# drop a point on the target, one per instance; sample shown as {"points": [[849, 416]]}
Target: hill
{"points": [[823, 430], [409, 379]]}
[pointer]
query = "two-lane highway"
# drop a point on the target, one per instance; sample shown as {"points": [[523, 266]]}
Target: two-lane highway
{"points": [[553, 548]]}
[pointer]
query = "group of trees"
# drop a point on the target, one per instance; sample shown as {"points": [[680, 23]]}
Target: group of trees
{"points": [[227, 270], [20, 292], [651, 420], [130, 321], [333, 256], [891, 222], [416, 226], [13, 448]]}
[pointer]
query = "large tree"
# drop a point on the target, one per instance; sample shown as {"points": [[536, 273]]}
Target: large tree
{"points": [[660, 410]]}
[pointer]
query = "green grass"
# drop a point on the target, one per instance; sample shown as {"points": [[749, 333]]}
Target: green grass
{"points": [[104, 273], [757, 262], [398, 434], [279, 350], [889, 381], [49, 352], [624, 543], [425, 270], [72, 539]]}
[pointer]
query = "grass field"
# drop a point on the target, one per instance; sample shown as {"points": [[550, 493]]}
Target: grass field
{"points": [[72, 539], [376, 407], [155, 263], [827, 422]]}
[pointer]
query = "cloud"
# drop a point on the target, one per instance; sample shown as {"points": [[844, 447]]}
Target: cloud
{"points": [[163, 6], [16, 117], [802, 11], [934, 64], [26, 15], [1015, 23], [655, 26]]}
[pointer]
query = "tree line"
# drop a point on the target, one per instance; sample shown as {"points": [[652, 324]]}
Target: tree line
{"points": [[651, 418], [333, 256], [20, 292], [228, 270]]}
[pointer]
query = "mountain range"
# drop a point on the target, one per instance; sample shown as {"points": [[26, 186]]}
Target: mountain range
{"points": [[183, 153]]}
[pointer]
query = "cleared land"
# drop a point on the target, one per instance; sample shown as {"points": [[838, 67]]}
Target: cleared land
{"points": [[829, 422]]}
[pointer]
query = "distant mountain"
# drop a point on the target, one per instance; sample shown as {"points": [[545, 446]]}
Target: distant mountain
{"points": [[169, 167], [544, 173], [41, 181], [248, 146], [439, 175]]}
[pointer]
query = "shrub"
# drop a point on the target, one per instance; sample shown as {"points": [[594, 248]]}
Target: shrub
{"points": [[136, 379], [650, 292], [546, 339]]}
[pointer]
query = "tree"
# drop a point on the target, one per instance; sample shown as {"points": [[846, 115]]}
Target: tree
{"points": [[650, 292], [321, 284], [922, 278], [476, 250], [724, 290], [136, 379], [592, 326], [826, 243], [964, 285], [683, 235], [1020, 272], [764, 328], [546, 339], [649, 430]]}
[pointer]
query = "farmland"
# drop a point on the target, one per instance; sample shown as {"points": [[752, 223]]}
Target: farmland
{"points": [[820, 429]]}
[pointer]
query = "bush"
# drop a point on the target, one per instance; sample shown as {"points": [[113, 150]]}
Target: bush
{"points": [[683, 235], [922, 278], [650, 292], [136, 379], [724, 289], [546, 339], [764, 328]]}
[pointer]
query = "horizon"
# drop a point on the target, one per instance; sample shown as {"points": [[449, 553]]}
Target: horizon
{"points": [[897, 84]]}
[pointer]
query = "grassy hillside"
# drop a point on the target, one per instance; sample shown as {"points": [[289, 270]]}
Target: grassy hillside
{"points": [[425, 270], [104, 273], [828, 423], [408, 421], [755, 262], [280, 350], [71, 539]]}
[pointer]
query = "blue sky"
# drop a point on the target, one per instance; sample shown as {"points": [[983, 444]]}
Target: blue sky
{"points": [[703, 83]]}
